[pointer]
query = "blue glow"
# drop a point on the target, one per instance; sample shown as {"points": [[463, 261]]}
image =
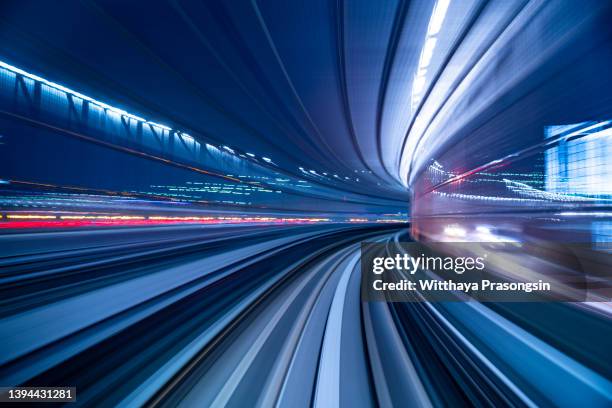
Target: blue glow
{"points": [[579, 164]]}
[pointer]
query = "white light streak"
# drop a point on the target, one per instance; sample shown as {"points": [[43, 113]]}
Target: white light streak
{"points": [[437, 18], [427, 53], [431, 39]]}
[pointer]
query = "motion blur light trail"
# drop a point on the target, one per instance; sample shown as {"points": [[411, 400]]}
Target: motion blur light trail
{"points": [[220, 315], [64, 221], [185, 185]]}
